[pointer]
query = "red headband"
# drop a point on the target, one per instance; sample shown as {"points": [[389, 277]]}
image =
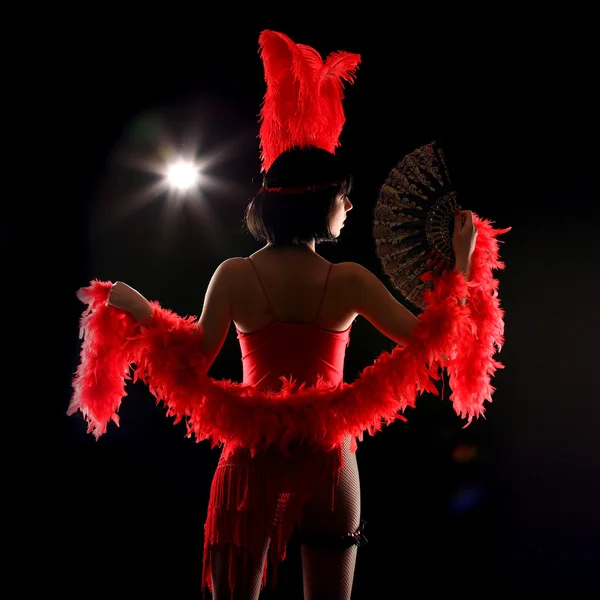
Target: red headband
{"points": [[298, 190]]}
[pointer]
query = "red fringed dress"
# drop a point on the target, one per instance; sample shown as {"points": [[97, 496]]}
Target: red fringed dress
{"points": [[266, 470], [254, 496]]}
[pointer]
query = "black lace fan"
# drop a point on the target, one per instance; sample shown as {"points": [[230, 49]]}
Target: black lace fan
{"points": [[414, 221]]}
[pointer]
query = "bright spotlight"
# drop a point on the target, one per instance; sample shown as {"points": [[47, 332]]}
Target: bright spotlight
{"points": [[182, 175]]}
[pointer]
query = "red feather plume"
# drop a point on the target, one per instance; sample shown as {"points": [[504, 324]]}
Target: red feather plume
{"points": [[303, 101]]}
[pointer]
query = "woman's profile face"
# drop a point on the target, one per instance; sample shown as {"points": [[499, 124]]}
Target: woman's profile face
{"points": [[337, 216]]}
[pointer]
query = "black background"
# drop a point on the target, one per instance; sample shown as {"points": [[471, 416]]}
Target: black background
{"points": [[511, 100]]}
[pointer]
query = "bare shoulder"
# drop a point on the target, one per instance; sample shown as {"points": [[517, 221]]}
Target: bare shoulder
{"points": [[354, 282], [359, 282], [353, 272], [230, 270], [233, 265]]}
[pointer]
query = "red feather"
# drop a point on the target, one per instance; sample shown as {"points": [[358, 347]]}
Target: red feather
{"points": [[339, 67], [302, 105]]}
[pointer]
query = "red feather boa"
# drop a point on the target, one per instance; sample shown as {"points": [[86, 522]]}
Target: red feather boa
{"points": [[461, 338]]}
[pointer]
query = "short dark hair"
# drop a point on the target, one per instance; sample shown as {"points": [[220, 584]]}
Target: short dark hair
{"points": [[298, 193]]}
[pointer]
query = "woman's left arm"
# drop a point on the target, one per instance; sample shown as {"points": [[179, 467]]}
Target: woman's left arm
{"points": [[214, 321], [216, 316]]}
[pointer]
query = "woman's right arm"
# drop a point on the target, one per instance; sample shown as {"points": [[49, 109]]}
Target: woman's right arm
{"points": [[370, 298]]}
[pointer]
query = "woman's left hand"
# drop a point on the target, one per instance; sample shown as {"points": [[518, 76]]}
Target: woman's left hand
{"points": [[124, 297]]}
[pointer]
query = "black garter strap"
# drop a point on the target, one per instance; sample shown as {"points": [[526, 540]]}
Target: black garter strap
{"points": [[335, 541]]}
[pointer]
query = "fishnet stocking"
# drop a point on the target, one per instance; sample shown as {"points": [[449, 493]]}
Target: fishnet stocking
{"points": [[328, 573]]}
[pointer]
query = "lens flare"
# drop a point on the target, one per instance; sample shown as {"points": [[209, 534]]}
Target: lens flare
{"points": [[182, 175]]}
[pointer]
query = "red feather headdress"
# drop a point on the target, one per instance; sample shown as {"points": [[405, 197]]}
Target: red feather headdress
{"points": [[303, 102]]}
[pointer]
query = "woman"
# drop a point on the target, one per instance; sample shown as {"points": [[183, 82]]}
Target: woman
{"points": [[293, 312]]}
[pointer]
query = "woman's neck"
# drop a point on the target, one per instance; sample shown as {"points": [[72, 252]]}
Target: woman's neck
{"points": [[310, 247]]}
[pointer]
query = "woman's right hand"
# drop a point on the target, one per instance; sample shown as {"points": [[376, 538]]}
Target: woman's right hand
{"points": [[125, 298], [464, 239]]}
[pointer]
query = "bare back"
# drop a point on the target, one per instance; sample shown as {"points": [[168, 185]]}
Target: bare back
{"points": [[291, 285]]}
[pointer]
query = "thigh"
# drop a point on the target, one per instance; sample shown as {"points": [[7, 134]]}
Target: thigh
{"points": [[319, 517], [328, 568], [236, 574], [237, 529]]}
